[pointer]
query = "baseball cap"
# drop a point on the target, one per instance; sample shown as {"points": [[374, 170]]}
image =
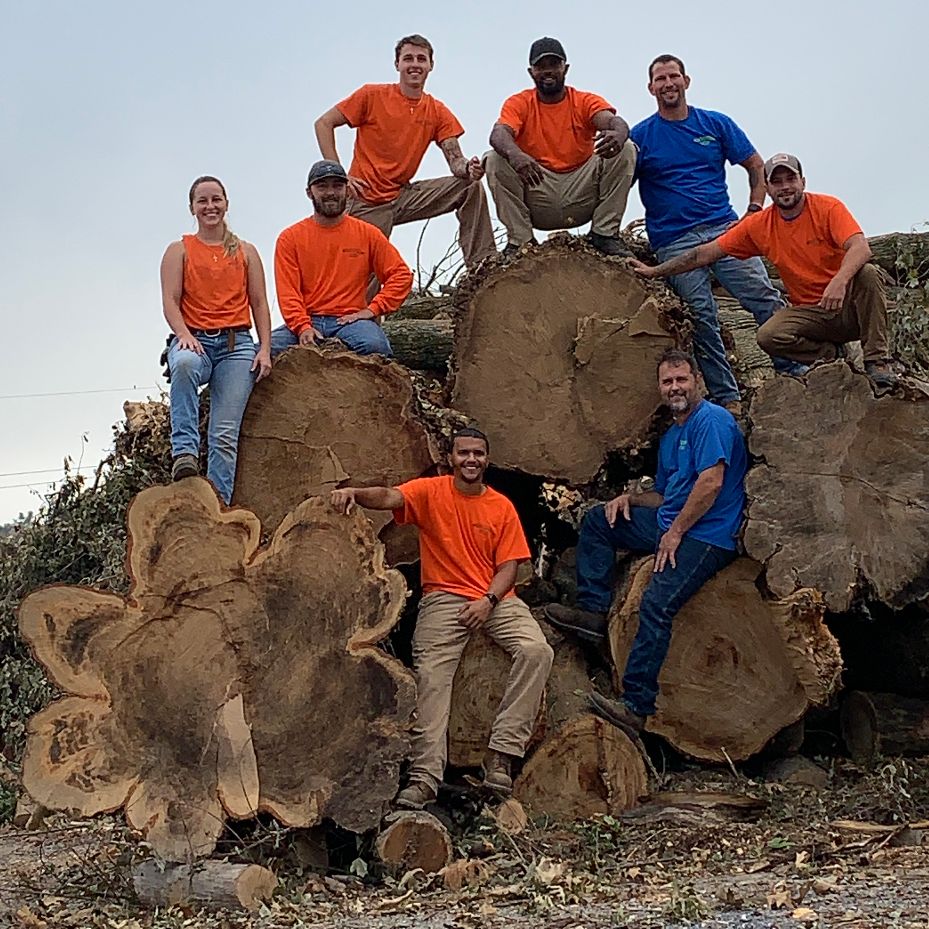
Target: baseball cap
{"points": [[783, 160], [324, 169], [546, 46]]}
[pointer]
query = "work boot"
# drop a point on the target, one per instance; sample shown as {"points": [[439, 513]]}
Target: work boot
{"points": [[611, 245], [184, 466], [415, 796], [617, 713], [497, 774], [511, 250], [587, 624], [880, 373]]}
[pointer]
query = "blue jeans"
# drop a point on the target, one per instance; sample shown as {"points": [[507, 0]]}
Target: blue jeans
{"points": [[665, 594], [230, 378], [363, 336], [746, 280]]}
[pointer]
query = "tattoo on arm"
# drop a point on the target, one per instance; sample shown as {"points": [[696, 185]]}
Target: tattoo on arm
{"points": [[681, 263], [452, 152]]}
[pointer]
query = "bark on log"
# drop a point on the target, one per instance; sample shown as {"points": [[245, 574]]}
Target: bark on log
{"points": [[903, 255], [229, 681], [213, 885], [586, 768], [421, 344], [739, 669], [840, 499], [414, 840], [555, 358], [324, 419], [875, 724]]}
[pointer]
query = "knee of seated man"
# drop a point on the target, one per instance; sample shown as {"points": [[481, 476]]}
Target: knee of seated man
{"points": [[538, 652], [869, 274]]}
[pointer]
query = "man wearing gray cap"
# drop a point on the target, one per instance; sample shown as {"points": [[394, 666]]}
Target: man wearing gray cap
{"points": [[822, 257], [322, 268], [561, 158]]}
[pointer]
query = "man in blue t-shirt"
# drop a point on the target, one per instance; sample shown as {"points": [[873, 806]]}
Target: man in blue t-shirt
{"points": [[690, 521], [681, 170]]}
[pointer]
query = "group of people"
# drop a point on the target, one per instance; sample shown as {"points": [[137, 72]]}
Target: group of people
{"points": [[559, 158]]}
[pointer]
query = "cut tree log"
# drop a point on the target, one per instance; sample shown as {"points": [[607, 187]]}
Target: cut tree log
{"points": [[840, 499], [229, 681], [421, 344], [555, 358], [903, 255], [213, 885], [584, 769], [411, 840], [740, 667], [323, 419], [876, 724]]}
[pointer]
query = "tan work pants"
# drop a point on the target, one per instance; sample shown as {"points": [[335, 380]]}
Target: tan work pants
{"points": [[438, 642], [596, 192], [810, 333], [435, 197]]}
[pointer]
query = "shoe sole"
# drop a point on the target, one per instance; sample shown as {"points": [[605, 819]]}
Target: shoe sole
{"points": [[410, 805], [183, 473], [595, 637], [604, 712]]}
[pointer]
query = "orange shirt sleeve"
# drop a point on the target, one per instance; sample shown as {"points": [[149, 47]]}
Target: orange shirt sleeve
{"points": [[355, 107], [842, 225], [740, 240], [415, 495], [512, 545], [447, 125], [513, 112], [287, 281], [591, 104], [392, 271]]}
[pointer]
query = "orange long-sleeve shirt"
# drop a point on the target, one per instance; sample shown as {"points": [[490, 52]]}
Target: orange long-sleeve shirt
{"points": [[324, 271]]}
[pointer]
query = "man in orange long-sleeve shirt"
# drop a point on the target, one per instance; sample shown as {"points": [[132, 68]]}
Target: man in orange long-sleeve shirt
{"points": [[322, 266]]}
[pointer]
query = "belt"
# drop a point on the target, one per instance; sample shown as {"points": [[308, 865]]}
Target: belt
{"points": [[229, 330]]}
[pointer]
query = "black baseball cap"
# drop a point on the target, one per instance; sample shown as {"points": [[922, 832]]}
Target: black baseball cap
{"points": [[546, 46], [324, 169]]}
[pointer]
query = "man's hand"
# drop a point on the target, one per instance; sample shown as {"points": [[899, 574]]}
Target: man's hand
{"points": [[667, 546], [617, 505], [475, 170], [643, 270], [354, 316], [262, 363], [834, 295], [309, 336], [473, 615], [528, 169], [343, 500], [190, 342], [609, 143], [356, 188]]}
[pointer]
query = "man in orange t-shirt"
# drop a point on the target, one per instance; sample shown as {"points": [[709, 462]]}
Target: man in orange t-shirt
{"points": [[561, 158], [471, 543], [395, 124], [322, 269], [822, 257]]}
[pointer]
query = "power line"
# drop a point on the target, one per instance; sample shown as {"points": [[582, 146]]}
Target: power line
{"points": [[47, 471], [76, 393]]}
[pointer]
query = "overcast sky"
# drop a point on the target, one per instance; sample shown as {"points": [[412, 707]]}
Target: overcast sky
{"points": [[110, 109]]}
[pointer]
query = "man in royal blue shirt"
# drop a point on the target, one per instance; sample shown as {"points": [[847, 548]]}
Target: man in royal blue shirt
{"points": [[690, 521], [681, 170]]}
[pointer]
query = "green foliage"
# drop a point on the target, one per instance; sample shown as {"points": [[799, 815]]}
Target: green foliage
{"points": [[909, 318], [78, 537]]}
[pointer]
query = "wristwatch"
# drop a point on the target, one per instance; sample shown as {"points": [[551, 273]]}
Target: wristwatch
{"points": [[492, 597], [754, 208]]}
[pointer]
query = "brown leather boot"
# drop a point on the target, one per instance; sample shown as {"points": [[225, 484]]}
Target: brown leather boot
{"points": [[497, 771], [415, 796]]}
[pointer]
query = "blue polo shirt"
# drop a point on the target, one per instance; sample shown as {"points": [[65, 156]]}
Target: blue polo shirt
{"points": [[681, 169], [709, 435]]}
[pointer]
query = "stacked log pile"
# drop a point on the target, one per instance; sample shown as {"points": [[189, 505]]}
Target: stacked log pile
{"points": [[240, 677]]}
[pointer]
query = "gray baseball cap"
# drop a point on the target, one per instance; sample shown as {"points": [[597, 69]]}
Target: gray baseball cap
{"points": [[324, 169], [783, 160]]}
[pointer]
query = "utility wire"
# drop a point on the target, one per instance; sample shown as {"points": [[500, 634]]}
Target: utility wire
{"points": [[76, 393]]}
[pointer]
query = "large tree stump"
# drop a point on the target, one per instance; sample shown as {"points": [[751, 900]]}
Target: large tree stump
{"points": [[876, 724], [555, 359], [584, 769], [229, 681], [840, 499], [324, 419], [215, 885], [740, 668], [414, 839]]}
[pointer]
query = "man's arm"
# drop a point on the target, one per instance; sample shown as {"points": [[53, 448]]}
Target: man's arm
{"points": [[371, 498], [754, 165], [325, 128], [503, 142], [466, 169], [857, 255], [474, 614], [702, 496], [698, 257], [395, 277], [290, 292], [624, 502], [613, 133]]}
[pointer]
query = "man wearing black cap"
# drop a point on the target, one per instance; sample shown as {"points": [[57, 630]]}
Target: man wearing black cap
{"points": [[322, 267], [561, 157], [822, 257]]}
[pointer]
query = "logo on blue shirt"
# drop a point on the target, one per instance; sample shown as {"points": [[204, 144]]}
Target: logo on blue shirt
{"points": [[704, 139]]}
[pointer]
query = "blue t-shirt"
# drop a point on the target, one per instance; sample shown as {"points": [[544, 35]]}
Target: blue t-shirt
{"points": [[681, 170], [709, 435]]}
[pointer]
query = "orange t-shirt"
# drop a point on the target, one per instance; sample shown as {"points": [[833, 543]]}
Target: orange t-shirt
{"points": [[807, 251], [463, 540], [325, 270], [393, 135], [560, 136], [215, 289]]}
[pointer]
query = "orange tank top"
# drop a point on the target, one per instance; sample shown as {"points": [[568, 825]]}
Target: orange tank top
{"points": [[215, 294]]}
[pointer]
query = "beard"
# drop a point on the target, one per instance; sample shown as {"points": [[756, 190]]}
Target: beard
{"points": [[679, 403], [331, 205], [549, 89], [789, 199]]}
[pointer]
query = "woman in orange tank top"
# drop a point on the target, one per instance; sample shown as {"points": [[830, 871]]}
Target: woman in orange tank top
{"points": [[212, 286]]}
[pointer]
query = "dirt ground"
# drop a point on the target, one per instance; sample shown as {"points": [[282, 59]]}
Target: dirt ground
{"points": [[848, 855]]}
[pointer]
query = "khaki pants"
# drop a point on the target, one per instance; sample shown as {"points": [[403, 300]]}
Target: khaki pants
{"points": [[438, 643], [435, 197], [810, 333], [596, 192]]}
